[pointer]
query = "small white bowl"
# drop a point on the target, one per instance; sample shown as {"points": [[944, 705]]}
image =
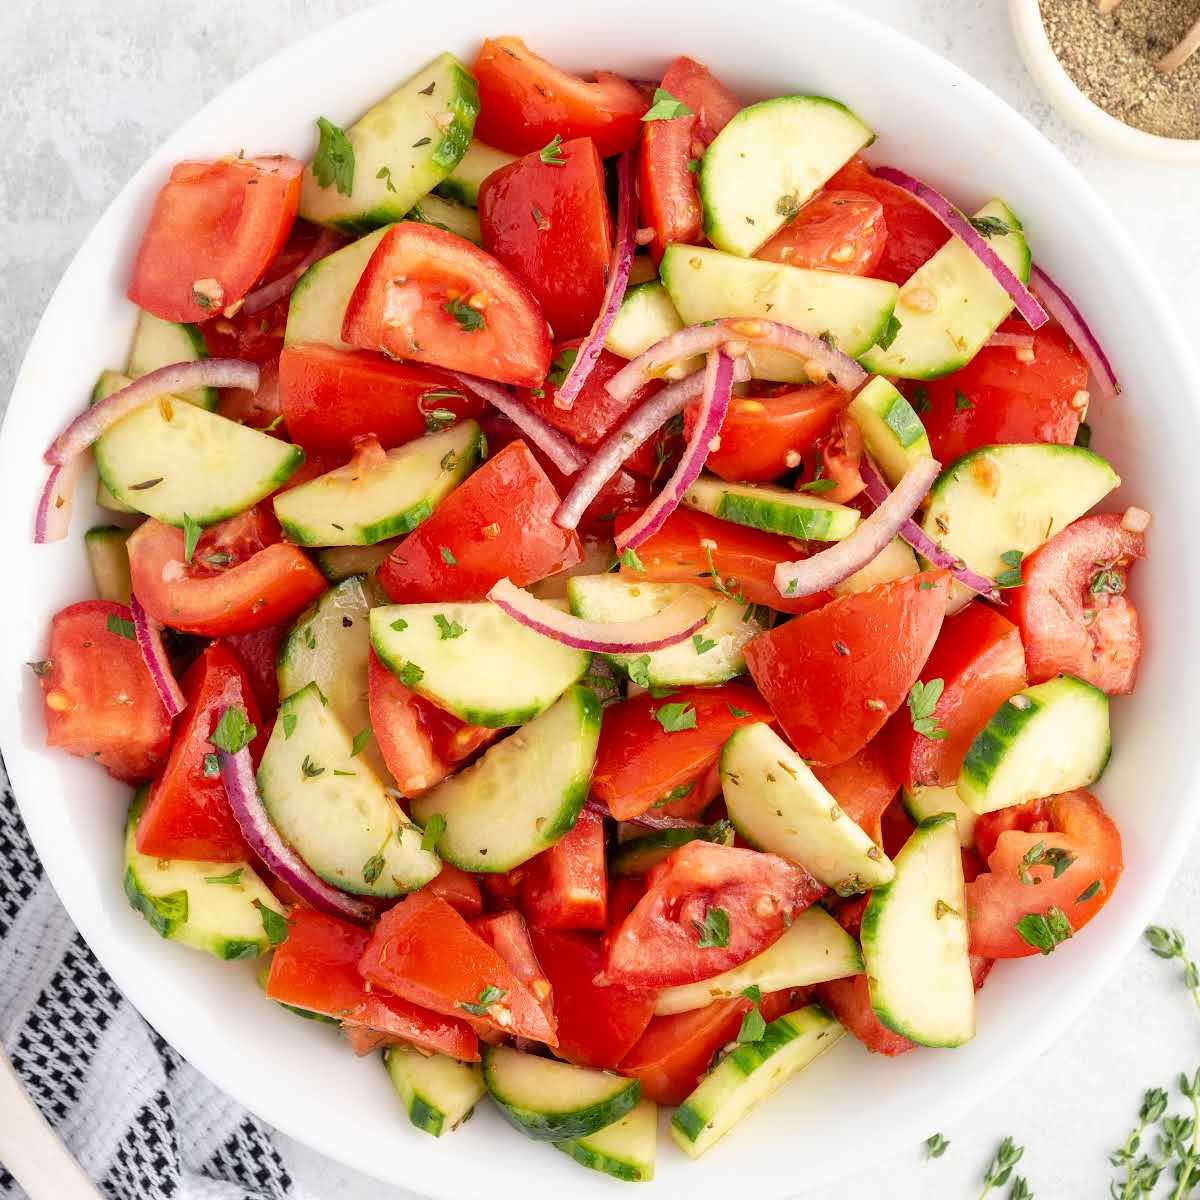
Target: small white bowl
{"points": [[1053, 79]]}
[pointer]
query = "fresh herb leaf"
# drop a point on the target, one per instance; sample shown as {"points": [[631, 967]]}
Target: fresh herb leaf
{"points": [[639, 670], [693, 165], [1083, 435], [1169, 943], [727, 587], [1046, 932], [935, 1146], [666, 107], [234, 877], [1088, 892], [676, 717], [753, 1027], [191, 535], [630, 559], [1010, 578], [448, 556], [989, 227], [890, 332], [1107, 582], [434, 828], [564, 360], [788, 205], [1001, 1166], [274, 924], [816, 486], [399, 625], [737, 713], [713, 931], [372, 868], [234, 731], [488, 996], [212, 766], [676, 793], [289, 724], [922, 701], [449, 461], [1020, 1190], [410, 675], [551, 152], [361, 738], [334, 159], [113, 624], [702, 645], [1040, 855], [961, 403], [219, 559], [470, 320], [447, 630], [310, 769]]}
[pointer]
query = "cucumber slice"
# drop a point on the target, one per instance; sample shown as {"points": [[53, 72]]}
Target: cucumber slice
{"points": [[775, 509], [639, 854], [750, 1073], [549, 1100], [454, 218], [109, 562], [438, 1093], [332, 808], [109, 382], [712, 655], [646, 316], [813, 949], [892, 432], [1044, 740], [158, 343], [895, 561], [340, 562], [171, 458], [463, 183], [403, 147], [523, 795], [915, 941], [209, 906], [951, 306], [921, 803], [768, 161], [777, 804], [329, 645], [705, 284], [317, 306], [364, 503], [1000, 499], [471, 673], [625, 1149]]}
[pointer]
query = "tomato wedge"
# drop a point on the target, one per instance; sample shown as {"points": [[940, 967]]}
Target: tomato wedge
{"points": [[423, 951], [837, 456], [508, 935], [708, 908], [914, 234], [499, 523], [766, 435], [1018, 881], [849, 1000], [187, 814], [330, 397], [835, 231], [433, 297], [566, 887], [596, 1025], [459, 889], [979, 659], [744, 558], [1000, 398], [258, 652], [864, 785], [639, 763], [316, 969], [548, 222], [214, 229], [1073, 609], [420, 743], [524, 101], [834, 676], [97, 695], [241, 577]]}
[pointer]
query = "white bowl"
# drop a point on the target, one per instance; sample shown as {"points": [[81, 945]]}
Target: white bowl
{"points": [[933, 120], [1053, 79]]}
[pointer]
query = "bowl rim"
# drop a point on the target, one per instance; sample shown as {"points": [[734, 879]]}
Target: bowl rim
{"points": [[1034, 45], [1090, 972]]}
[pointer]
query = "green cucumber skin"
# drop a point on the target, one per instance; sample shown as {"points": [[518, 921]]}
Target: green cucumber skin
{"points": [[378, 531], [605, 1163], [807, 524], [638, 855], [560, 1127], [425, 1117]]}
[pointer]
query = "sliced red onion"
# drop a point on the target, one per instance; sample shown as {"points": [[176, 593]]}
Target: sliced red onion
{"points": [[237, 773], [960, 225], [675, 623], [700, 339], [650, 819], [148, 632], [877, 492], [282, 287], [53, 517], [1062, 308], [808, 576], [560, 450], [178, 377], [714, 404], [1013, 341], [624, 246]]}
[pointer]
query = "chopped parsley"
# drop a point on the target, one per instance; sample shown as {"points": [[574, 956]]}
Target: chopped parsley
{"points": [[274, 924], [1088, 892], [693, 165], [935, 1146], [470, 320], [310, 769], [1083, 435], [212, 766], [1010, 578], [448, 556], [676, 793], [488, 996], [702, 645], [410, 674], [234, 877], [922, 700], [737, 713], [920, 399], [119, 626], [666, 107], [1107, 582], [334, 159], [551, 152], [385, 173], [890, 332], [434, 828], [961, 403], [289, 724], [753, 1026], [447, 630], [713, 931], [639, 670], [1041, 855], [676, 717], [234, 731], [560, 368], [630, 559], [1044, 933], [361, 738], [373, 867], [399, 625], [818, 485], [989, 227], [191, 535]]}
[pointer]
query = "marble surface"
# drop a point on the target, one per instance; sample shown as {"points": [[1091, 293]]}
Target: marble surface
{"points": [[91, 86]]}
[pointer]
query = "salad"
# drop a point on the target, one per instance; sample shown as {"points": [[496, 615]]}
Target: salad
{"points": [[602, 596]]}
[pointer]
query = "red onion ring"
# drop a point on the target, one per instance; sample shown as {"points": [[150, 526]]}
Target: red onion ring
{"points": [[560, 450], [877, 492], [148, 633], [959, 225], [1062, 308], [282, 287], [53, 517], [807, 576], [178, 377], [1014, 341], [675, 623], [714, 404], [237, 773], [625, 244], [700, 339]]}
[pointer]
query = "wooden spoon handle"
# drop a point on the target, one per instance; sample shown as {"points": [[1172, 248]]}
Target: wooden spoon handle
{"points": [[31, 1150], [1175, 59]]}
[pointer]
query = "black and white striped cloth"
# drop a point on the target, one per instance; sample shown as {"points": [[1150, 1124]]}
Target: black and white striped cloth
{"points": [[143, 1123]]}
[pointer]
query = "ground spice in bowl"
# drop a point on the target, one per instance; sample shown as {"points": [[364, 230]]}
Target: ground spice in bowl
{"points": [[1111, 58]]}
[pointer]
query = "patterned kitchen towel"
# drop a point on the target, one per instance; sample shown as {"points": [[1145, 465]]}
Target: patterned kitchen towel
{"points": [[142, 1122]]}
